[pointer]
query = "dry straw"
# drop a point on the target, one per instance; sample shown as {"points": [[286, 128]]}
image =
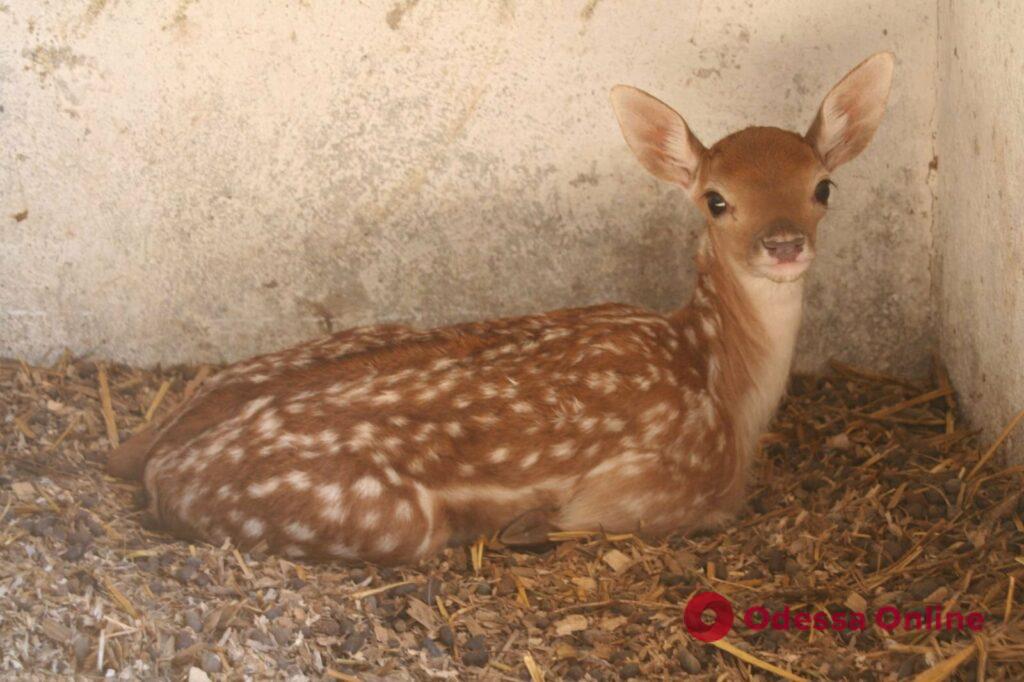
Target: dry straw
{"points": [[872, 490]]}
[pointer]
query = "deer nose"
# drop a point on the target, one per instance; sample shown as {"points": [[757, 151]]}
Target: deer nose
{"points": [[784, 250]]}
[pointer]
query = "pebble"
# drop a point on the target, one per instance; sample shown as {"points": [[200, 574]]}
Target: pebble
{"points": [[893, 548], [258, 636], [81, 647], [354, 642], [80, 537], [185, 573], [431, 648], [446, 636], [629, 670], [477, 643], [483, 589], [74, 552], [476, 657], [193, 620], [776, 560], [688, 661], [274, 612], [923, 588], [408, 588], [211, 662], [183, 640], [753, 573], [282, 634], [915, 509], [908, 667], [812, 484], [39, 527]]}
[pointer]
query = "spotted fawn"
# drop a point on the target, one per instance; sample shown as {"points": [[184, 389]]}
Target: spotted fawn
{"points": [[388, 443]]}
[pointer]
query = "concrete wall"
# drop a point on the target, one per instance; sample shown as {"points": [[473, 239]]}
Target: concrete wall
{"points": [[979, 235], [203, 182]]}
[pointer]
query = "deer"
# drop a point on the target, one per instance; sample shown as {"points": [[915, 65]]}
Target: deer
{"points": [[388, 443]]}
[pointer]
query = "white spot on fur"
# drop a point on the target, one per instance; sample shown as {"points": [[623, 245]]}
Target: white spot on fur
{"points": [[563, 449], [330, 496], [253, 528], [403, 511], [529, 460], [265, 488], [368, 487], [369, 520], [254, 406], [426, 504], [298, 479], [387, 543], [299, 531], [392, 476], [341, 551], [613, 424], [386, 398], [269, 424]]}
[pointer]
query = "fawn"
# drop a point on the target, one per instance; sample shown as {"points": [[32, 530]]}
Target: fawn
{"points": [[387, 443]]}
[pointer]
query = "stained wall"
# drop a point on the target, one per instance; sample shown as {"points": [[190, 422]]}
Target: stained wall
{"points": [[195, 181]]}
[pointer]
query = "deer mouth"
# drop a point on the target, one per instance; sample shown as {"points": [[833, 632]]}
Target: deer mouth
{"points": [[788, 271]]}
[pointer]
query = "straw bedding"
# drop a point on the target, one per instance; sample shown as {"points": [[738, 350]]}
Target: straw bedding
{"points": [[871, 491]]}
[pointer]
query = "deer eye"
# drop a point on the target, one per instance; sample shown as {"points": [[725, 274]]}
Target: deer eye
{"points": [[716, 204], [823, 191]]}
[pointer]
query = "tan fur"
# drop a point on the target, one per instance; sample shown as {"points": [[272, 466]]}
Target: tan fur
{"points": [[387, 443]]}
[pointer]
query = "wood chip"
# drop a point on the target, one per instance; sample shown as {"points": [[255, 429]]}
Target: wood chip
{"points": [[570, 624], [423, 614], [844, 511], [24, 491], [617, 560], [108, 408]]}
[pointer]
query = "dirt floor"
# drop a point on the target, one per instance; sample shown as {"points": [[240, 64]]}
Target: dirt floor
{"points": [[871, 492]]}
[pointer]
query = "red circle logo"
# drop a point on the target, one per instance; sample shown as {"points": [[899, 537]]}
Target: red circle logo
{"points": [[708, 601]]}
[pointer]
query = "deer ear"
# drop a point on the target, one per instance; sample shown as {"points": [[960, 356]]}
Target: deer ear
{"points": [[851, 111], [657, 135]]}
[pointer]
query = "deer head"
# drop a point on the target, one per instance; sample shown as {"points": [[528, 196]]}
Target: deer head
{"points": [[763, 190]]}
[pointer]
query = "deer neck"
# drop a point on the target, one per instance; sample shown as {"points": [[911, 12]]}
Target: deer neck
{"points": [[757, 323]]}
